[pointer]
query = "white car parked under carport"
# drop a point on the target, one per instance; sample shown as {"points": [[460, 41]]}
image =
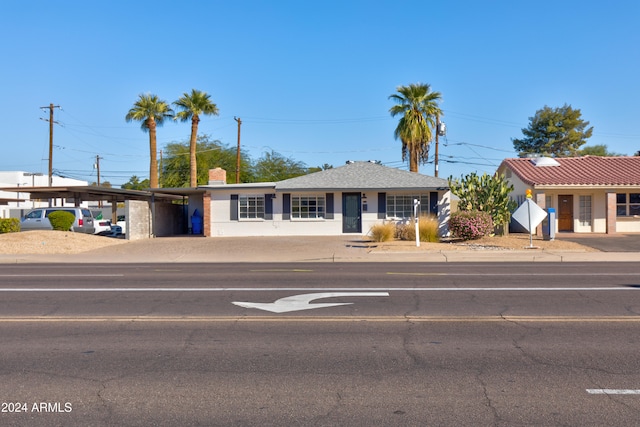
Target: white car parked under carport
{"points": [[102, 226]]}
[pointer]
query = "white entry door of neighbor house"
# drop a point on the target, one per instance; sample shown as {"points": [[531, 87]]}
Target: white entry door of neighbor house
{"points": [[351, 213]]}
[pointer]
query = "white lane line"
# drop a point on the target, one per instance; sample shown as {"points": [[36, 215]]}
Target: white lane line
{"points": [[311, 289], [612, 391], [393, 273]]}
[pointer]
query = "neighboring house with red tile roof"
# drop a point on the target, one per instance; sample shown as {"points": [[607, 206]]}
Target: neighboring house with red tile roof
{"points": [[590, 194]]}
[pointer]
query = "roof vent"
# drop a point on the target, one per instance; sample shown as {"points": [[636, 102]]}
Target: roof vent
{"points": [[544, 161], [349, 162]]}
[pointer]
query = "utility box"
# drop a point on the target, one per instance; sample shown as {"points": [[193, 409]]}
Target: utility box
{"points": [[549, 225]]}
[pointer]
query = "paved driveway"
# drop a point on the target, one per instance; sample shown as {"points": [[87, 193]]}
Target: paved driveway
{"points": [[605, 242]]}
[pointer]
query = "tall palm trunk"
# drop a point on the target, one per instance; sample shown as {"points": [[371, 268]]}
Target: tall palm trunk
{"points": [[192, 152], [153, 164], [413, 160]]}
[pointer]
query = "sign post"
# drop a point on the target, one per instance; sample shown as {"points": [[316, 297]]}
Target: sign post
{"points": [[416, 203], [530, 216]]}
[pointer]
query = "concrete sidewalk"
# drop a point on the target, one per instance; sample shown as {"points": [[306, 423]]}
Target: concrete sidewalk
{"points": [[303, 249]]}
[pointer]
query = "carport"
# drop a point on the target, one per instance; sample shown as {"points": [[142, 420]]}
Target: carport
{"points": [[148, 213], [193, 199]]}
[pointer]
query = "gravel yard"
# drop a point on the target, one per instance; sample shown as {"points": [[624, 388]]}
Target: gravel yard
{"points": [[53, 242], [511, 242]]}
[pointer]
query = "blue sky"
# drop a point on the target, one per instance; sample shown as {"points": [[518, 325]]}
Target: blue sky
{"points": [[310, 80]]}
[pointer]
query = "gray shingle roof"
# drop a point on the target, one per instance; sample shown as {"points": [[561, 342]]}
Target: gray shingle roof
{"points": [[362, 176]]}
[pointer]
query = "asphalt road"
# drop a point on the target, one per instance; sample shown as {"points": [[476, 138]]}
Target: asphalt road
{"points": [[605, 242], [465, 344]]}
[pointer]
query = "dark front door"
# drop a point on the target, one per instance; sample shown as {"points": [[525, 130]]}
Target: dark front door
{"points": [[565, 213], [351, 213]]}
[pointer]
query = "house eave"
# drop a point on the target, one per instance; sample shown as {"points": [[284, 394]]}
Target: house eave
{"points": [[356, 189], [240, 186], [582, 187]]}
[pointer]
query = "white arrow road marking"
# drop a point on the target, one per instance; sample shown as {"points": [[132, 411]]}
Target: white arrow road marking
{"points": [[301, 302]]}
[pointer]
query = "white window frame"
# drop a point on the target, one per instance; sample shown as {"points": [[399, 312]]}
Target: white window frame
{"points": [[585, 209], [308, 207], [406, 205], [251, 207]]}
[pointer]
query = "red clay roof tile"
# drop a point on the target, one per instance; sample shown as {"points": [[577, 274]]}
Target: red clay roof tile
{"points": [[583, 171]]}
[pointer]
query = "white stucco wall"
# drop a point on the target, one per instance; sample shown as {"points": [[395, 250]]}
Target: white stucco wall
{"points": [[221, 225], [598, 209], [631, 225]]}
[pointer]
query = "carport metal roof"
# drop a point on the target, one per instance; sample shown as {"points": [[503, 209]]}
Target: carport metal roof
{"points": [[93, 193]]}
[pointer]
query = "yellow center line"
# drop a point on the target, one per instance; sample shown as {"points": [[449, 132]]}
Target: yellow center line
{"points": [[390, 273], [320, 319]]}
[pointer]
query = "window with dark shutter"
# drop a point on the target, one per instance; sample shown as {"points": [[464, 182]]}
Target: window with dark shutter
{"points": [[233, 212], [268, 206], [329, 206], [286, 206], [382, 205]]}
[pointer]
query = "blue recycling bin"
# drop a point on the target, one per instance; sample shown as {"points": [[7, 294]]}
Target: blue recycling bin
{"points": [[196, 222], [549, 225]]}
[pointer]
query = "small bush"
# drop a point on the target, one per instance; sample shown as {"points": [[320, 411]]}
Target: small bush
{"points": [[382, 232], [9, 225], [470, 225], [427, 229], [61, 220]]}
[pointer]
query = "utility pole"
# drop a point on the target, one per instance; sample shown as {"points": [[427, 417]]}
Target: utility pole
{"points": [[51, 122], [97, 165], [435, 162], [237, 119], [441, 130]]}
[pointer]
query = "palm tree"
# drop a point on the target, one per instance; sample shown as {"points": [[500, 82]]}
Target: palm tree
{"points": [[152, 112], [191, 107], [418, 107]]}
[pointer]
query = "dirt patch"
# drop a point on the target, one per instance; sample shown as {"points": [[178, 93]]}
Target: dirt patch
{"points": [[510, 243], [53, 242], [65, 242]]}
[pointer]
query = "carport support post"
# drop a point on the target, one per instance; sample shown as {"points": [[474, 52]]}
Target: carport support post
{"points": [[114, 211], [153, 214]]}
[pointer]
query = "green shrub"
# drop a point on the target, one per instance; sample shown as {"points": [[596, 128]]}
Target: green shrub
{"points": [[61, 220], [470, 225], [427, 229], [9, 225], [383, 232]]}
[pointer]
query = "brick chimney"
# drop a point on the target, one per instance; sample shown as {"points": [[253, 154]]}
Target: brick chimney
{"points": [[217, 176]]}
